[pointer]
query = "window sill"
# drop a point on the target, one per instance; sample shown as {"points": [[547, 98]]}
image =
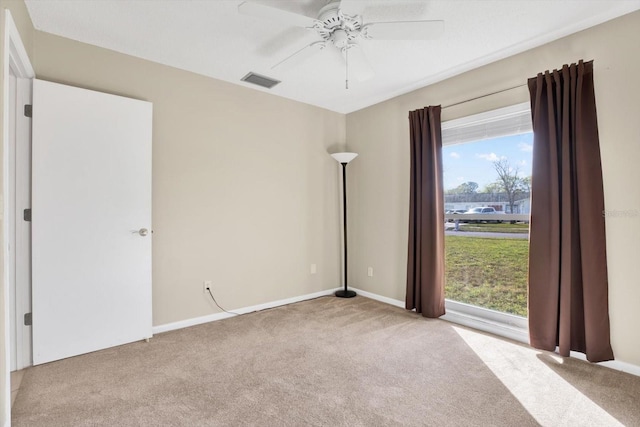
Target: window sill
{"points": [[502, 324]]}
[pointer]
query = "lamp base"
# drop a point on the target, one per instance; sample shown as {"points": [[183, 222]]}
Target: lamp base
{"points": [[345, 294]]}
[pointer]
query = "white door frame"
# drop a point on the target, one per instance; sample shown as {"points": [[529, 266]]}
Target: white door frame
{"points": [[16, 62], [20, 259]]}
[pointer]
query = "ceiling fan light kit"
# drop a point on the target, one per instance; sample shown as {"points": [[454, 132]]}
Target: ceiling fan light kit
{"points": [[343, 31]]}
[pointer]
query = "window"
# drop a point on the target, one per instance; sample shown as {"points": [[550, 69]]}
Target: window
{"points": [[487, 170]]}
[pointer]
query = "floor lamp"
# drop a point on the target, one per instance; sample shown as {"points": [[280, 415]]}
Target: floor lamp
{"points": [[343, 159]]}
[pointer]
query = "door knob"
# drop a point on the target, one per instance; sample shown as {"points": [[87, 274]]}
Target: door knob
{"points": [[143, 232]]}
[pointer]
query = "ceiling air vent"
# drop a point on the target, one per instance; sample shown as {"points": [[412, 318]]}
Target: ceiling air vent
{"points": [[259, 80]]}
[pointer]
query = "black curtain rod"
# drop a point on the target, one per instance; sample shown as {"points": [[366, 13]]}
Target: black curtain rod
{"points": [[483, 96]]}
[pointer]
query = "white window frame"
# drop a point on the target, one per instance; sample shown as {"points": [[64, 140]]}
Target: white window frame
{"points": [[507, 121]]}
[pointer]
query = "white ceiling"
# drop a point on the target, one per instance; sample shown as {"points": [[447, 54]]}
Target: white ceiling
{"points": [[210, 37]]}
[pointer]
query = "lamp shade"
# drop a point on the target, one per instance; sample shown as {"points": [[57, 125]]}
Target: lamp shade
{"points": [[344, 157]]}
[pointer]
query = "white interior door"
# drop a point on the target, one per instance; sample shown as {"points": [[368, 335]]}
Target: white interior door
{"points": [[91, 191]]}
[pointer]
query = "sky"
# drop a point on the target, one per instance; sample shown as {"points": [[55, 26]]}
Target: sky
{"points": [[473, 161]]}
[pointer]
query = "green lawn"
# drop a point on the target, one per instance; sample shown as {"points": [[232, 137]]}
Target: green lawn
{"points": [[490, 273]]}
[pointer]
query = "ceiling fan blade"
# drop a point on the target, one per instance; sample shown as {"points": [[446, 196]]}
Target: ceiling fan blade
{"points": [[300, 56], [404, 30], [275, 14], [359, 66], [353, 7]]}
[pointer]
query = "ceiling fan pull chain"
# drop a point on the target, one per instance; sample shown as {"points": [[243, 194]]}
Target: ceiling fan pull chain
{"points": [[346, 62]]}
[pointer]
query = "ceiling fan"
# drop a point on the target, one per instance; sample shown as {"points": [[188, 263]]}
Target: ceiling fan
{"points": [[343, 32]]}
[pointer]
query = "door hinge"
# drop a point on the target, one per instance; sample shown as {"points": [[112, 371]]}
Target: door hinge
{"points": [[28, 110], [27, 214], [28, 321]]}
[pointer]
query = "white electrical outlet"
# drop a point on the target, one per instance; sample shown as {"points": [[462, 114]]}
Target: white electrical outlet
{"points": [[370, 271], [313, 269], [206, 286]]}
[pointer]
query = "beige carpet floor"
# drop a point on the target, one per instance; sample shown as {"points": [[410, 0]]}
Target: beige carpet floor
{"points": [[325, 362]]}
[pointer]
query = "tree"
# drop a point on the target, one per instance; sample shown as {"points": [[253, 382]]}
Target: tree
{"points": [[494, 187], [465, 188], [526, 182], [468, 187], [509, 182]]}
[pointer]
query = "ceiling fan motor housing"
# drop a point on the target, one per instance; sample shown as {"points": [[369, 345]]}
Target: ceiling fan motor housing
{"points": [[337, 28]]}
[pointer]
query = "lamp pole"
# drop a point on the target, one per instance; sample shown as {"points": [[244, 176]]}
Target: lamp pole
{"points": [[343, 159]]}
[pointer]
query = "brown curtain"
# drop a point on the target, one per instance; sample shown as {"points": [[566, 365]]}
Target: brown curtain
{"points": [[568, 289], [425, 267]]}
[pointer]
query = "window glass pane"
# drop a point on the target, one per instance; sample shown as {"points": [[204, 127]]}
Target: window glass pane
{"points": [[486, 247]]}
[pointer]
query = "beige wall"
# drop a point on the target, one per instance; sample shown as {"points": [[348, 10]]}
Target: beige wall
{"points": [[245, 193], [379, 189], [25, 28]]}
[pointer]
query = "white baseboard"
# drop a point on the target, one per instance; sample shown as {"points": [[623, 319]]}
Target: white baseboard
{"points": [[380, 298], [618, 365], [506, 326], [219, 316]]}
